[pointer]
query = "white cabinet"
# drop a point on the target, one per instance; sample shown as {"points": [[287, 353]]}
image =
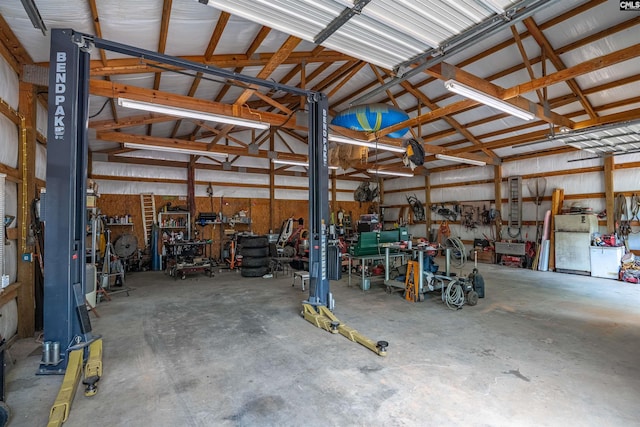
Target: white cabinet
{"points": [[605, 261]]}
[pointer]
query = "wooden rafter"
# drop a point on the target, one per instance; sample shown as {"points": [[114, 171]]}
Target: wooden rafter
{"points": [[113, 90], [280, 56], [103, 55], [255, 44], [162, 44], [135, 66], [544, 44], [211, 46]]}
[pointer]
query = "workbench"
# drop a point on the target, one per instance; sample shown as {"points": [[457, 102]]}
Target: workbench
{"points": [[187, 257], [418, 252], [385, 257]]}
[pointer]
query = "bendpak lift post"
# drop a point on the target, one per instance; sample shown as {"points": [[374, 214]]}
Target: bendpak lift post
{"points": [[66, 321]]}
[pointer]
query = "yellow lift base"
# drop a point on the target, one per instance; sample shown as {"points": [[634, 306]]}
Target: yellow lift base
{"points": [[93, 368], [60, 410], [323, 318]]}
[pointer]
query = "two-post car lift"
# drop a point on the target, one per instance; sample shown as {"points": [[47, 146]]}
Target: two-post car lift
{"points": [[67, 327]]}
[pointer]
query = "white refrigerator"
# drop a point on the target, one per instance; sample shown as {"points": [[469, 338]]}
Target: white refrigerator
{"points": [[573, 242]]}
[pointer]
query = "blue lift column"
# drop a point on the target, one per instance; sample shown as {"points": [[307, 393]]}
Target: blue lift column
{"points": [[66, 321], [319, 294]]}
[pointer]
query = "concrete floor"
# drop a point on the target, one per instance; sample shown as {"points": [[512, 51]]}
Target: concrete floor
{"points": [[542, 349]]}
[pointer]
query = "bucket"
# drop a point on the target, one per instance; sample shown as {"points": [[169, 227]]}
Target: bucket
{"points": [[365, 284]]}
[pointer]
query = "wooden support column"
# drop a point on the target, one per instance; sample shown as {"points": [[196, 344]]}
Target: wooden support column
{"points": [[272, 184], [427, 205], [26, 194], [557, 199], [191, 188], [497, 188], [609, 193]]}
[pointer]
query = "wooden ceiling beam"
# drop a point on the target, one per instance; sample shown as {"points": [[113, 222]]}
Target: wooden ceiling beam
{"points": [[162, 45], [544, 44], [276, 60], [255, 44], [452, 122], [114, 90], [125, 122], [582, 68], [103, 55], [122, 138], [216, 34], [554, 78], [135, 66], [11, 49]]}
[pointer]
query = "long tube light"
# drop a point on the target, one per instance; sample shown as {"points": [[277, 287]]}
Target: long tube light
{"points": [[193, 114], [344, 140], [476, 95], [389, 172], [297, 163], [460, 160], [290, 162], [173, 149]]}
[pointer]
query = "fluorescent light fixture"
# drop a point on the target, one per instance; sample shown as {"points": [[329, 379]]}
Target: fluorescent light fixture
{"points": [[351, 141], [296, 163], [389, 172], [290, 162], [460, 160], [488, 100], [173, 149], [34, 15], [192, 114]]}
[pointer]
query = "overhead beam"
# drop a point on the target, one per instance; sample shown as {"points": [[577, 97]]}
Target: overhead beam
{"points": [[544, 44], [135, 66], [551, 79], [122, 137], [114, 90]]}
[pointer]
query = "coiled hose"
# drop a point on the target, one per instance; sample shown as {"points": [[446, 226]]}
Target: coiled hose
{"points": [[453, 296], [458, 251]]}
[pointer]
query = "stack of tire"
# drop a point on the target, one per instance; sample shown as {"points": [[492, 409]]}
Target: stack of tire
{"points": [[255, 255]]}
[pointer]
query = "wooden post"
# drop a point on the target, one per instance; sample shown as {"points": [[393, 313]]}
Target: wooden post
{"points": [[609, 193], [272, 183], [427, 205], [557, 198]]}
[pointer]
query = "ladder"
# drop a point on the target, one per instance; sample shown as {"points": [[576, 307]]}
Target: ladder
{"points": [[514, 184], [148, 208]]}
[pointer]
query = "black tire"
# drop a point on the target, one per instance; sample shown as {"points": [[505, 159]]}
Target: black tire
{"points": [[255, 252], [255, 262], [254, 272], [472, 298], [5, 414], [254, 242]]}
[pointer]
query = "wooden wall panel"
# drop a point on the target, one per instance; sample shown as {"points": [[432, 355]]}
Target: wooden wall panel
{"points": [[258, 209], [120, 204]]}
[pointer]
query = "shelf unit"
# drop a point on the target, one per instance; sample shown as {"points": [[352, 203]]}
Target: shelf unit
{"points": [[174, 221]]}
